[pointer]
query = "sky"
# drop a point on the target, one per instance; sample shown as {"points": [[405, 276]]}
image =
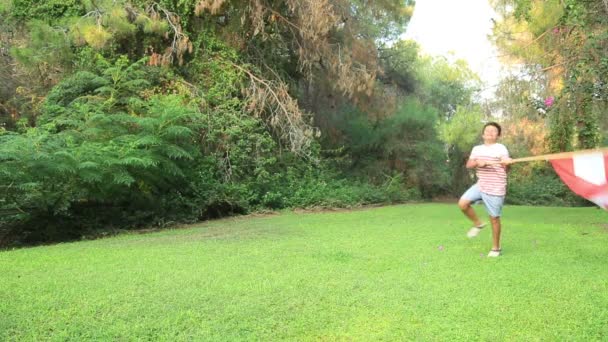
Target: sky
{"points": [[458, 29]]}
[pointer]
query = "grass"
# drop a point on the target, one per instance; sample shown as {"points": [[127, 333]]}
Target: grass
{"points": [[392, 273]]}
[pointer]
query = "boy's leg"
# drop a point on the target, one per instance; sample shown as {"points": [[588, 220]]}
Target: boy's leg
{"points": [[471, 195], [467, 209], [494, 207], [495, 233]]}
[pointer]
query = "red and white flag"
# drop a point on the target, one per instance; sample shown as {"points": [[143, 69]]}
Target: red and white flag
{"points": [[585, 175]]}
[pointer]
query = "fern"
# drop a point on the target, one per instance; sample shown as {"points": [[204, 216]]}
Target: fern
{"points": [[87, 148]]}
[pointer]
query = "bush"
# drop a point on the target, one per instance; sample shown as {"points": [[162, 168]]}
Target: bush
{"points": [[541, 186], [101, 152], [113, 151], [321, 187]]}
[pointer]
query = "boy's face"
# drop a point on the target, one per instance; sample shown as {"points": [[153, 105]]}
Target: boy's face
{"points": [[490, 134]]}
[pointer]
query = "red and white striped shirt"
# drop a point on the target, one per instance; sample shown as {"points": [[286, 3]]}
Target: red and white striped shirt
{"points": [[492, 179]]}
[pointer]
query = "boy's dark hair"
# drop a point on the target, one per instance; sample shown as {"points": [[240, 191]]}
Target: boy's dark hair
{"points": [[492, 124]]}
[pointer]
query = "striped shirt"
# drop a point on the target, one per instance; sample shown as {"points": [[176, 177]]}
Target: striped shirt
{"points": [[492, 179]]}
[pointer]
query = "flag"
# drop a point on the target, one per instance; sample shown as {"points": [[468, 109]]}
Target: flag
{"points": [[585, 175]]}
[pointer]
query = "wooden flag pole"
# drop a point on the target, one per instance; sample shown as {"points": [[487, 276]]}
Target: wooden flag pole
{"points": [[561, 155]]}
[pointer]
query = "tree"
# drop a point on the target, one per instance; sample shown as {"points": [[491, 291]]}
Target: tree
{"points": [[564, 41]]}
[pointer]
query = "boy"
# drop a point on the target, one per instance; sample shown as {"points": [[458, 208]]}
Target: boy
{"points": [[490, 160]]}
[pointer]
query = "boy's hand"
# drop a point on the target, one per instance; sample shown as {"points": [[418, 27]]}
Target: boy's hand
{"points": [[481, 163], [506, 161]]}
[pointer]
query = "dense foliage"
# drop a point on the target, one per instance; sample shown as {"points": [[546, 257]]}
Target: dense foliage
{"points": [[123, 114], [558, 100]]}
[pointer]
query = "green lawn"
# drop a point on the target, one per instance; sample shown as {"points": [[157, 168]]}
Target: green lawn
{"points": [[393, 273]]}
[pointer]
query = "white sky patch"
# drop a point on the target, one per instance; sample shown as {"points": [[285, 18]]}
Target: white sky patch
{"points": [[458, 30]]}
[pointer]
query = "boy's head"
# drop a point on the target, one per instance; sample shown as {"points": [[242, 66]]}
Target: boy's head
{"points": [[491, 132]]}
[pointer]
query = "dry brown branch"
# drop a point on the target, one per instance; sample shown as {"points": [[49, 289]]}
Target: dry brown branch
{"points": [[180, 43], [350, 62], [212, 6], [270, 100]]}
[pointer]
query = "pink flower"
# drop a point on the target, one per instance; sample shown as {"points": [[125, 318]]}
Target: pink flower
{"points": [[549, 101], [555, 30]]}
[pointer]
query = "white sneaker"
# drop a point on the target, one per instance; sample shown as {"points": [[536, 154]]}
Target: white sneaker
{"points": [[473, 232], [494, 253]]}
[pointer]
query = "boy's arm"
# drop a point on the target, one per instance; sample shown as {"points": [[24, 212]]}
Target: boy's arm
{"points": [[506, 160], [473, 163]]}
